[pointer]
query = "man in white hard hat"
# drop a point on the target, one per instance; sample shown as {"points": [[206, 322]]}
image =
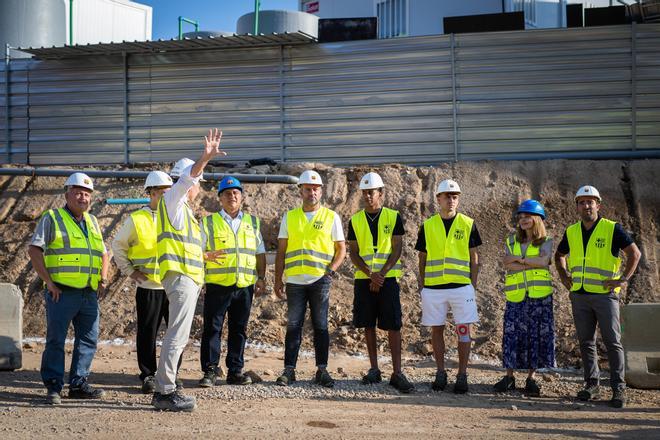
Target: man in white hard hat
{"points": [[588, 264], [68, 254], [134, 250], [181, 268], [448, 269], [310, 249], [375, 239]]}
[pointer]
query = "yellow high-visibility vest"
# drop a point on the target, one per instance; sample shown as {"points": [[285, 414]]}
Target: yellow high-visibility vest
{"points": [[536, 282], [310, 248], [179, 251], [447, 255], [143, 255], [239, 265], [73, 259], [377, 258], [590, 269]]}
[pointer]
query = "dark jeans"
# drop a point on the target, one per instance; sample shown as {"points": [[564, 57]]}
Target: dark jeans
{"points": [[152, 308], [297, 297], [220, 301], [80, 307], [601, 310]]}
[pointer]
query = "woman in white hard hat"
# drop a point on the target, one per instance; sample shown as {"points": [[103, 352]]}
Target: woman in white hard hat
{"points": [[529, 331]]}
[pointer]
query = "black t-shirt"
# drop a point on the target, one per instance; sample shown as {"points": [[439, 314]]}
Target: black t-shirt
{"points": [[372, 221], [473, 242], [620, 240]]}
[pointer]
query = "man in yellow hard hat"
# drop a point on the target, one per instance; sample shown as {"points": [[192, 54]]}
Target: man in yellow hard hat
{"points": [[375, 239], [310, 249], [448, 269], [136, 256], [588, 265], [68, 254]]}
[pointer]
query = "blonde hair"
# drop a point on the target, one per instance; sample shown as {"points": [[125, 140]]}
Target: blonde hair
{"points": [[538, 233]]}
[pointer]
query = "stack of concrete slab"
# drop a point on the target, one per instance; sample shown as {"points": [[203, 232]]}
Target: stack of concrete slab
{"points": [[640, 325], [11, 327]]}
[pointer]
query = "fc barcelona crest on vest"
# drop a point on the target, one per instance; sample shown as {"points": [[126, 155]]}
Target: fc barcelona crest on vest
{"points": [[387, 229], [600, 243], [459, 234], [318, 224]]}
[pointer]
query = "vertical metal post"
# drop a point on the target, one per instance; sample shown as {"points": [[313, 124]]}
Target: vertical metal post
{"points": [[71, 22], [452, 44], [281, 78], [257, 5], [126, 152], [7, 107], [633, 85]]}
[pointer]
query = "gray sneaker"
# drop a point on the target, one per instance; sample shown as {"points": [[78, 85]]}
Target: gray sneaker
{"points": [[149, 385], [209, 379], [401, 383], [323, 378], [440, 382], [53, 397], [287, 378], [618, 398], [176, 402], [590, 392], [85, 391], [372, 376]]}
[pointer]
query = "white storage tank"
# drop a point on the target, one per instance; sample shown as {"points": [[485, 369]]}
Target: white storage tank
{"points": [[105, 21], [279, 22], [35, 23]]}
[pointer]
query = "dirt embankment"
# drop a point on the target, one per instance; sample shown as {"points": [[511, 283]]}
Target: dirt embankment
{"points": [[491, 191]]}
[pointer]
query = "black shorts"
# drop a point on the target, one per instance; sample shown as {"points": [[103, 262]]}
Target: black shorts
{"points": [[382, 308]]}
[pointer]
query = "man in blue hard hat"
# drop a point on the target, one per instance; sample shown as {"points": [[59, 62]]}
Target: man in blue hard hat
{"points": [[235, 269]]}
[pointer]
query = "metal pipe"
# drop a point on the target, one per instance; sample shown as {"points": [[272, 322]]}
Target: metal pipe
{"points": [[186, 20], [257, 5], [71, 22], [110, 174], [125, 108], [583, 155], [127, 201]]}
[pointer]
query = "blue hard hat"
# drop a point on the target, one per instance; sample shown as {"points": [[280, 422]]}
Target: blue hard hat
{"points": [[531, 207], [228, 183]]}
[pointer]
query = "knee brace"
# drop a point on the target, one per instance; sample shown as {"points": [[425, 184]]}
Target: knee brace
{"points": [[463, 332]]}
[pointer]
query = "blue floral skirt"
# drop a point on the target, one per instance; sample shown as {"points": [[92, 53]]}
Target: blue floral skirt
{"points": [[529, 334]]}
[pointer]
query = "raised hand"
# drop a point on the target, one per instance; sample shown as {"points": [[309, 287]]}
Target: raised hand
{"points": [[212, 144]]}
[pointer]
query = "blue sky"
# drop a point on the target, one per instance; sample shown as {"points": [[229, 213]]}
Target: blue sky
{"points": [[213, 15]]}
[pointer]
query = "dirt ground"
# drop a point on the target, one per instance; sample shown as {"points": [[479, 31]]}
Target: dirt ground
{"points": [[351, 410]]}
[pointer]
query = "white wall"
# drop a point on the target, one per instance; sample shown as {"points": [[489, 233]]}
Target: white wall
{"points": [[426, 15], [104, 21]]}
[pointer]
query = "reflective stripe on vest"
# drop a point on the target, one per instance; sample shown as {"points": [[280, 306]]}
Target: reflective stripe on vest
{"points": [[238, 266], [73, 259], [179, 250], [590, 270], [144, 254], [376, 258], [310, 248], [536, 282], [447, 255]]}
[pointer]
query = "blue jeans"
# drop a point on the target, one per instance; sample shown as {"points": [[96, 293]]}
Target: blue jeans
{"points": [[297, 297], [79, 306]]}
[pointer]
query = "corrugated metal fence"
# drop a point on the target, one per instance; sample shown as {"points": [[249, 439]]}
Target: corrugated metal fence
{"points": [[549, 93]]}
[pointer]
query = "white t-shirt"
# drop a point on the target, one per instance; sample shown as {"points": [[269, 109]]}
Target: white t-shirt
{"points": [[337, 234]]}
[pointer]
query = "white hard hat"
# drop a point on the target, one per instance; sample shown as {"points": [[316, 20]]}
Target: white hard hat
{"points": [[179, 166], [80, 179], [310, 177], [448, 186], [587, 191], [157, 178], [371, 181]]}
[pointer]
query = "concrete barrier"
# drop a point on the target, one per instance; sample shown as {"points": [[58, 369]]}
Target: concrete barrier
{"points": [[640, 325], [11, 327]]}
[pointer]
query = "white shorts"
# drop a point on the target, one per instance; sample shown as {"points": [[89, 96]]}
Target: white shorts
{"points": [[436, 302]]}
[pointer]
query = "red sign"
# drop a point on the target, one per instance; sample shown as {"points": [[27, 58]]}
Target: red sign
{"points": [[311, 7]]}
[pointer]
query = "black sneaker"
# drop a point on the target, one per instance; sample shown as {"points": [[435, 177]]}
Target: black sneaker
{"points": [[323, 378], [210, 376], [175, 401], [238, 379], [53, 397], [149, 385], [532, 388], [461, 385], [372, 376], [85, 391], [590, 392], [508, 383], [440, 382], [401, 383], [287, 378], [618, 398]]}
